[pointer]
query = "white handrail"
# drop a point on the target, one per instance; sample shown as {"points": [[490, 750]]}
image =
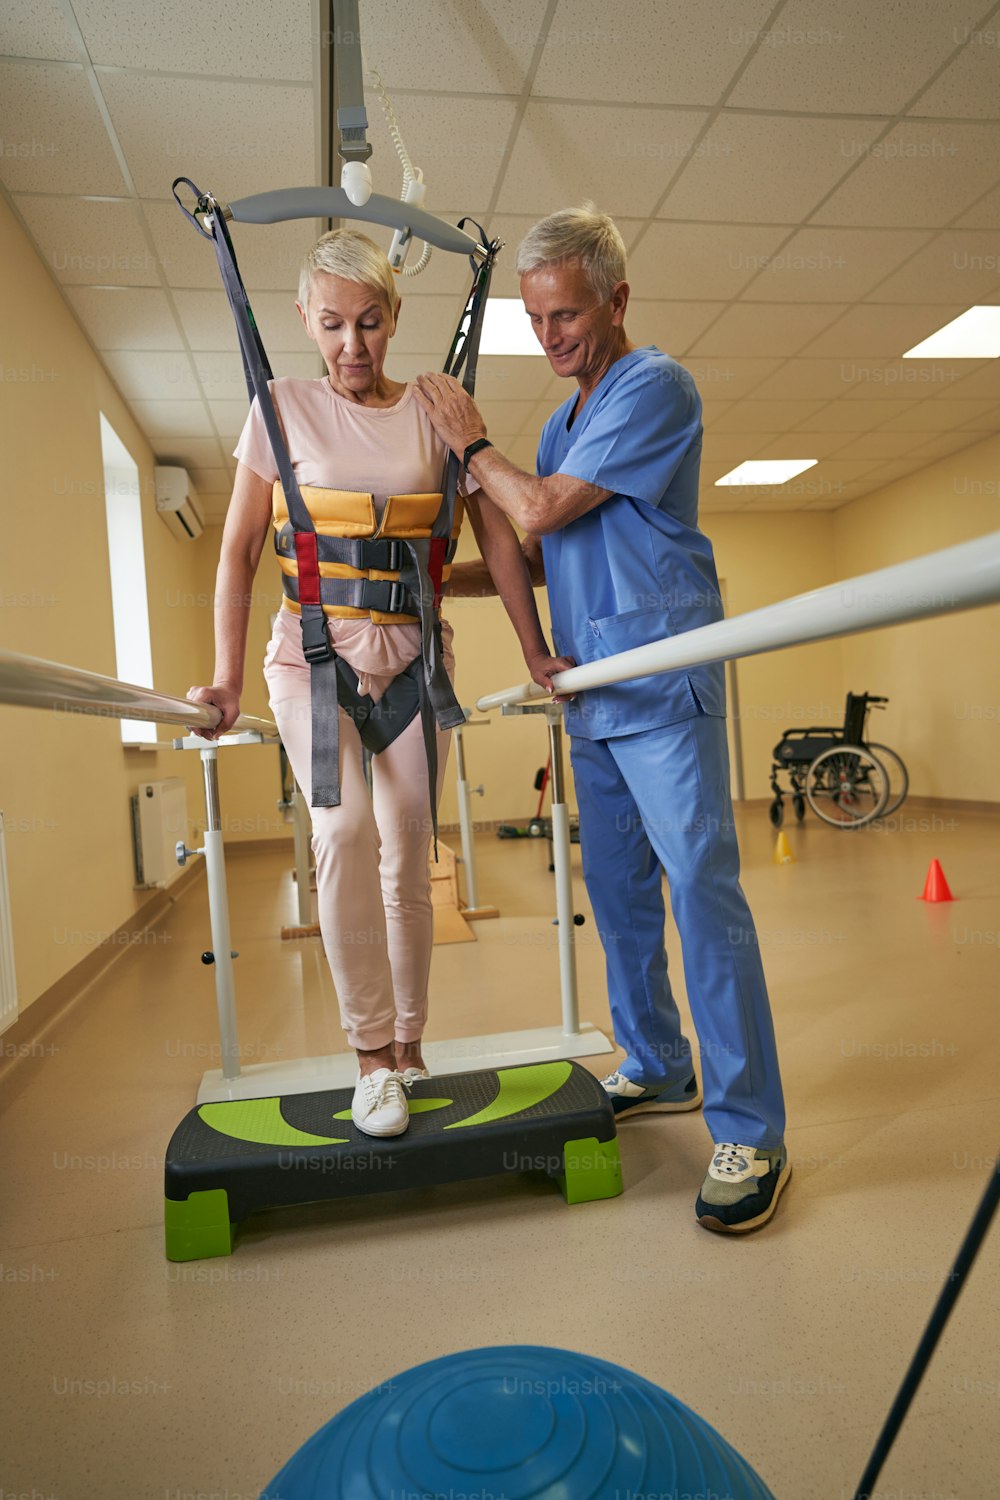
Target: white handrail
{"points": [[31, 682], [962, 577]]}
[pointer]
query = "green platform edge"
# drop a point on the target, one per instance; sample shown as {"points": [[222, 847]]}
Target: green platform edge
{"points": [[592, 1170], [198, 1227]]}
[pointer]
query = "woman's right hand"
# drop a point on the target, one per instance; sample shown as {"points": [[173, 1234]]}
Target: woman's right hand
{"points": [[225, 699]]}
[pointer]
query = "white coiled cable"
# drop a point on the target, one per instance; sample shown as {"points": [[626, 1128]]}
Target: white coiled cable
{"points": [[413, 177]]}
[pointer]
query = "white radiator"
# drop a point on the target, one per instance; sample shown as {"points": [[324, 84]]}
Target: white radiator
{"points": [[8, 978], [159, 820]]}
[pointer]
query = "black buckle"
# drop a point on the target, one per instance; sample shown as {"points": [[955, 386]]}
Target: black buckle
{"points": [[315, 640], [395, 556]]}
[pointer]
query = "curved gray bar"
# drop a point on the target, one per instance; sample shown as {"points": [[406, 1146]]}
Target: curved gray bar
{"points": [[333, 203], [31, 682]]}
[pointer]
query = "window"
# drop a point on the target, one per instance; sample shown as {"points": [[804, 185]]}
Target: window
{"points": [[133, 654]]}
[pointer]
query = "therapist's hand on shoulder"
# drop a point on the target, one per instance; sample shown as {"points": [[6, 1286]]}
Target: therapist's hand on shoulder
{"points": [[454, 415], [543, 667]]}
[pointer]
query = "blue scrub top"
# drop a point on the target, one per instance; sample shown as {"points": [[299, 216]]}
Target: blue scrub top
{"points": [[636, 568]]}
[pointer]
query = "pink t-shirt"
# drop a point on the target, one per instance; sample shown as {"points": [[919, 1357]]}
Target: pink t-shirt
{"points": [[338, 444]]}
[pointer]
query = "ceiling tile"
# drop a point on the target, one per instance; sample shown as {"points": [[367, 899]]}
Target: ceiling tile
{"points": [[959, 265], [482, 48], [805, 378], [191, 452], [968, 86], [874, 330], [731, 378], [54, 140], [458, 143], [766, 416], [245, 38], [512, 377], [212, 482], [229, 416], [938, 415], [177, 126], [147, 375], [857, 416], [712, 411], [165, 420], [827, 264], [506, 416], [919, 174], [765, 328], [985, 214], [221, 375], [84, 242], [918, 378], [734, 447], [36, 30], [804, 444], [707, 261], [765, 167], [269, 255], [852, 56], [881, 445], [983, 421], [208, 323], [983, 380], [647, 51], [942, 444], [127, 318], [427, 323], [671, 326], [565, 153]]}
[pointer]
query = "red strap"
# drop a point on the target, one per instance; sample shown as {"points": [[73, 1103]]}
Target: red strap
{"points": [[435, 566], [308, 566]]}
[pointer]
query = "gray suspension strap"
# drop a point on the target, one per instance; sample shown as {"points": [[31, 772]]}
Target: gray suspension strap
{"points": [[316, 647]]}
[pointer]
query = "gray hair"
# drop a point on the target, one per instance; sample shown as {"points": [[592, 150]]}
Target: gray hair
{"points": [[353, 256], [576, 234]]}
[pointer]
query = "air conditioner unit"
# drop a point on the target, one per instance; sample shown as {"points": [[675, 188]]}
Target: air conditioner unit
{"points": [[177, 502]]}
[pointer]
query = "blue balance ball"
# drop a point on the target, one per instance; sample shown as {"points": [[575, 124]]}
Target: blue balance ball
{"points": [[519, 1422]]}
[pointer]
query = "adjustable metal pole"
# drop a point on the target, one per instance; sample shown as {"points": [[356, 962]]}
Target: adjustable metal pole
{"points": [[218, 906], [563, 874]]}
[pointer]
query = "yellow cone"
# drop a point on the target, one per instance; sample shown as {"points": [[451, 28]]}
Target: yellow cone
{"points": [[783, 850]]}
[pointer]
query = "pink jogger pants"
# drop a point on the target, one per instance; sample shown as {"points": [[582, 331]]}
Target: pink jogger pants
{"points": [[372, 876]]}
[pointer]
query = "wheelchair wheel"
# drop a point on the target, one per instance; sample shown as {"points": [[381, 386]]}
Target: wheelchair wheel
{"points": [[899, 777], [799, 804], [776, 812], [847, 786]]}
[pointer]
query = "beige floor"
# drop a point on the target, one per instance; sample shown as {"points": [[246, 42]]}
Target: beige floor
{"points": [[125, 1376]]}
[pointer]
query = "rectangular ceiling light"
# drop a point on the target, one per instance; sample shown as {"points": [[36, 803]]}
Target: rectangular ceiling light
{"points": [[972, 335], [767, 470], [507, 329]]}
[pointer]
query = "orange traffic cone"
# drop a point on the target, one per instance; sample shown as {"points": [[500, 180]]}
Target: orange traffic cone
{"points": [[783, 850], [935, 886]]}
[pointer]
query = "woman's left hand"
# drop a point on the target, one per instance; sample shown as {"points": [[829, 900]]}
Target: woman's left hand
{"points": [[454, 415]]}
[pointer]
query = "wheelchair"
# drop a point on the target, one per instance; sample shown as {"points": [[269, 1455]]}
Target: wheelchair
{"points": [[847, 779]]}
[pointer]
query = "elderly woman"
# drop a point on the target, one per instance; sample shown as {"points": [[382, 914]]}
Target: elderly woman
{"points": [[356, 438]]}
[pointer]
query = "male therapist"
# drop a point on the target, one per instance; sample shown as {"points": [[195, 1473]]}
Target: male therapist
{"points": [[615, 504]]}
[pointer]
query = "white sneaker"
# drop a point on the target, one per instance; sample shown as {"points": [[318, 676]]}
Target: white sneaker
{"points": [[410, 1075], [379, 1106]]}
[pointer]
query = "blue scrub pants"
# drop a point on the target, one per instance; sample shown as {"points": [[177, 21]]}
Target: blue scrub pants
{"points": [[662, 798]]}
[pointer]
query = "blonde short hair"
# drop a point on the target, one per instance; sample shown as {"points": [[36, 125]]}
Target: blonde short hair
{"points": [[576, 234], [354, 257]]}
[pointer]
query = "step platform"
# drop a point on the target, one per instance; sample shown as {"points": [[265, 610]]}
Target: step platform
{"points": [[230, 1159]]}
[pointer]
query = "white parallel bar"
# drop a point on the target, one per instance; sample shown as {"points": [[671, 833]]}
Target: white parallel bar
{"points": [[955, 578], [564, 916], [31, 682], [339, 1070], [8, 976]]}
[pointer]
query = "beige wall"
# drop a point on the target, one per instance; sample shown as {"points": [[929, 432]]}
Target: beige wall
{"points": [[65, 780], [942, 675]]}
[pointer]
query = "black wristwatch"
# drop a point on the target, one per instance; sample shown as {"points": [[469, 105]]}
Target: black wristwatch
{"points": [[474, 448]]}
